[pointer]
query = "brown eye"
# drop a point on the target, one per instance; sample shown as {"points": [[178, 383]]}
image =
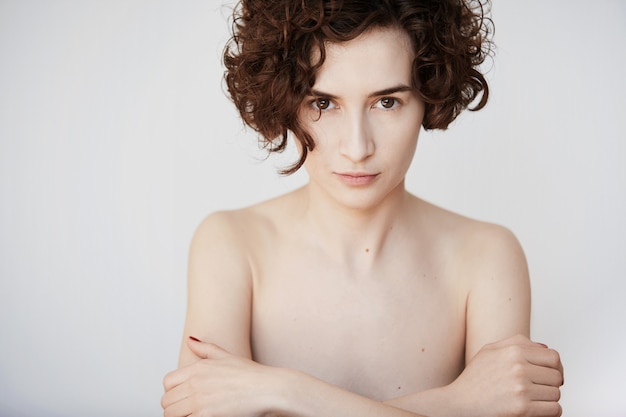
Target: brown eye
{"points": [[322, 103], [387, 102]]}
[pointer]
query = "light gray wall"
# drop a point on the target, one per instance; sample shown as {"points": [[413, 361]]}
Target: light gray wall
{"points": [[116, 139]]}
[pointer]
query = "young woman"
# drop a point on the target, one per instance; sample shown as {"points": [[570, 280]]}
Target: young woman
{"points": [[350, 296]]}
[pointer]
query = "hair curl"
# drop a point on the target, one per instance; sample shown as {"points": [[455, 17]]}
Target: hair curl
{"points": [[270, 68]]}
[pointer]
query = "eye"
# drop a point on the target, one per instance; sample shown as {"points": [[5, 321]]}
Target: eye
{"points": [[322, 104], [387, 103]]}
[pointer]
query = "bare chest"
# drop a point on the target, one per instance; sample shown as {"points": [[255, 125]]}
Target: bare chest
{"points": [[382, 334]]}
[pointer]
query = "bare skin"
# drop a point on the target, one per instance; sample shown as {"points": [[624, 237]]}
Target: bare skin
{"points": [[351, 296]]}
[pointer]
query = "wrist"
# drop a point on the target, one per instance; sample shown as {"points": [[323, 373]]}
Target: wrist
{"points": [[285, 398], [449, 396], [303, 395], [457, 402], [434, 402]]}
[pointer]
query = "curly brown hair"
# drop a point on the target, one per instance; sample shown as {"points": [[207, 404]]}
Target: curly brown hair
{"points": [[270, 68]]}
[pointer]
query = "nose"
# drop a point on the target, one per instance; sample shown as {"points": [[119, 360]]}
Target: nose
{"points": [[357, 141]]}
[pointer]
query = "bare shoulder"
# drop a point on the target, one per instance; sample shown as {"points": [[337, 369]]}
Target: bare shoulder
{"points": [[490, 267], [476, 244], [219, 244], [240, 231], [228, 228], [493, 250], [220, 278]]}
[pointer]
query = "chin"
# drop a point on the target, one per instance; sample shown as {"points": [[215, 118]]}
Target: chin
{"points": [[364, 199]]}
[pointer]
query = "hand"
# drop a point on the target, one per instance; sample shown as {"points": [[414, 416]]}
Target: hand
{"points": [[514, 378], [219, 384]]}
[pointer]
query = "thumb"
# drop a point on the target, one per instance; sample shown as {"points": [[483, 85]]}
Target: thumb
{"points": [[205, 350]]}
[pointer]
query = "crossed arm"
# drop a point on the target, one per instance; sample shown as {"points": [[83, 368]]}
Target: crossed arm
{"points": [[236, 387], [511, 377], [515, 377]]}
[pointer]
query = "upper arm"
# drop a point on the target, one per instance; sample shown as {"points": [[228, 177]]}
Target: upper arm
{"points": [[219, 288], [498, 303]]}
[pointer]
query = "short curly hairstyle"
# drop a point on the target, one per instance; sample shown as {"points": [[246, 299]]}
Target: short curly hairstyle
{"points": [[270, 67]]}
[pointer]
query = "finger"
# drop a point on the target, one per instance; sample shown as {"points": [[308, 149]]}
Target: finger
{"points": [[545, 409], [545, 376], [549, 394], [557, 358], [173, 396], [206, 350], [180, 408], [545, 357], [538, 392], [175, 378]]}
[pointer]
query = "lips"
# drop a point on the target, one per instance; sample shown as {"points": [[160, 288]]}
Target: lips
{"points": [[356, 178]]}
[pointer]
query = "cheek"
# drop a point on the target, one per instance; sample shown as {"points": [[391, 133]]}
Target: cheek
{"points": [[400, 150], [323, 136], [402, 136], [318, 156], [404, 155]]}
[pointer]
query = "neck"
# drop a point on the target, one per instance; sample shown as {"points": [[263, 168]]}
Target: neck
{"points": [[355, 233]]}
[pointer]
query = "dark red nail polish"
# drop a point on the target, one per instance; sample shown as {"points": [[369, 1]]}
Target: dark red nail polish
{"points": [[194, 339]]}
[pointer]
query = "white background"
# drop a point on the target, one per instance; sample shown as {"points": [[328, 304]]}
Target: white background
{"points": [[116, 140]]}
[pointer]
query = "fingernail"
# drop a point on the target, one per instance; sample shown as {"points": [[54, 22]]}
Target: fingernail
{"points": [[195, 339]]}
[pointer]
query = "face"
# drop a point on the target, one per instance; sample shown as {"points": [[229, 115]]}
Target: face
{"points": [[365, 119]]}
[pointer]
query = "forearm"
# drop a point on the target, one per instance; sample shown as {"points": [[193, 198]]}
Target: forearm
{"points": [[231, 385], [307, 396], [512, 377], [436, 402]]}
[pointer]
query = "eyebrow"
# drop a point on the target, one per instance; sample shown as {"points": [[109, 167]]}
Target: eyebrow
{"points": [[385, 92]]}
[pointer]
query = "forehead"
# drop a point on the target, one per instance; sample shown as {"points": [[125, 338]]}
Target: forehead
{"points": [[377, 59]]}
